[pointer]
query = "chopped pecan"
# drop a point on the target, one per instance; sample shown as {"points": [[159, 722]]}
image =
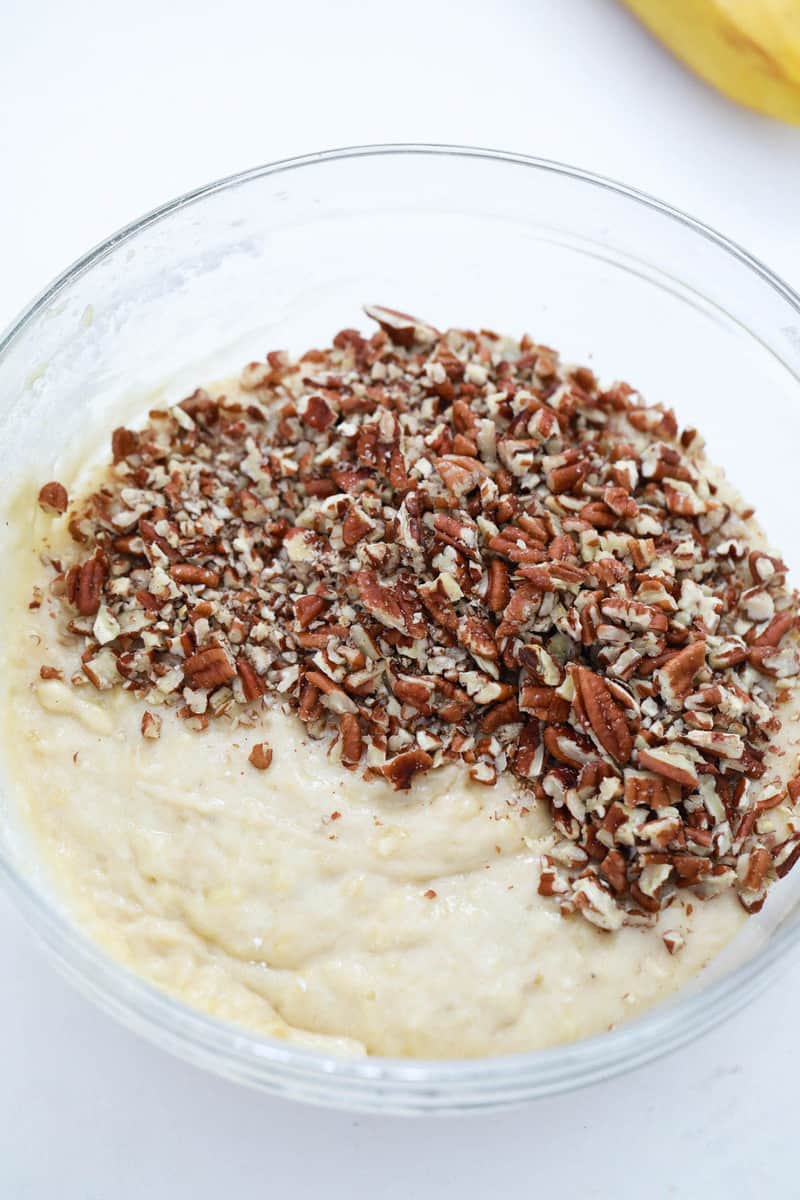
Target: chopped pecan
{"points": [[498, 591], [543, 703], [759, 863], [308, 707], [676, 676], [352, 740], [777, 629], [781, 662], [354, 527], [523, 605], [673, 940], [151, 725], [384, 604], [401, 769], [402, 329], [568, 746], [187, 573], [209, 668], [689, 867], [550, 883], [414, 691], [260, 756], [53, 498], [439, 605], [253, 685], [786, 856], [308, 608], [613, 868], [318, 414], [605, 715], [333, 696], [124, 443], [505, 713], [670, 763], [650, 791], [478, 637], [566, 476], [84, 584]]}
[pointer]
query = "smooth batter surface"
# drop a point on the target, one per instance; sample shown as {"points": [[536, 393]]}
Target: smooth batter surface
{"points": [[241, 892]]}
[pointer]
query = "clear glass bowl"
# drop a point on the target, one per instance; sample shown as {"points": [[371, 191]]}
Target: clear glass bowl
{"points": [[285, 255]]}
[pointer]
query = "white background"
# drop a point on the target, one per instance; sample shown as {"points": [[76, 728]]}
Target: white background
{"points": [[105, 111]]}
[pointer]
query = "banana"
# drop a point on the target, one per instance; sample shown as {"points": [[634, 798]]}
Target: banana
{"points": [[748, 49]]}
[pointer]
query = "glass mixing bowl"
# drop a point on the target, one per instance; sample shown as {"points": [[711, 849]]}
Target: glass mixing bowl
{"points": [[285, 255]]}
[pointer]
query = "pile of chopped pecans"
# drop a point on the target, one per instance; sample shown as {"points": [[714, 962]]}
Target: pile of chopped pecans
{"points": [[453, 547]]}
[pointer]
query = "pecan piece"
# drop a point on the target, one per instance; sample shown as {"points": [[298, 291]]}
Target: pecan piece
{"points": [[124, 443], [84, 584], [332, 696], [209, 668], [401, 769], [498, 591], [355, 527], [260, 756], [253, 685], [402, 329], [457, 532], [151, 725], [478, 637], [565, 745], [53, 498], [438, 604], [781, 662], [673, 940], [786, 855], [676, 677], [379, 601], [317, 639], [566, 476], [758, 864], [352, 741], [309, 707], [414, 691], [689, 867], [670, 763], [550, 882], [777, 629], [543, 703], [505, 713], [605, 714], [521, 608], [308, 608], [614, 869], [458, 478], [187, 573], [648, 791], [318, 414]]}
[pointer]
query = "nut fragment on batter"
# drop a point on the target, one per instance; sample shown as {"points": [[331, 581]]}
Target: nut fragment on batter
{"points": [[151, 725], [260, 756], [53, 498]]}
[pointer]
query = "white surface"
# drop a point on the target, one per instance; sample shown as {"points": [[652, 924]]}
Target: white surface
{"points": [[105, 111]]}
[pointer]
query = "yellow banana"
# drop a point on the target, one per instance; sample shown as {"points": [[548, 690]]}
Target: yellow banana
{"points": [[749, 49]]}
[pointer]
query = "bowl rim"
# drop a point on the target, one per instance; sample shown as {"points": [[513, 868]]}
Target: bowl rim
{"points": [[271, 1063]]}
